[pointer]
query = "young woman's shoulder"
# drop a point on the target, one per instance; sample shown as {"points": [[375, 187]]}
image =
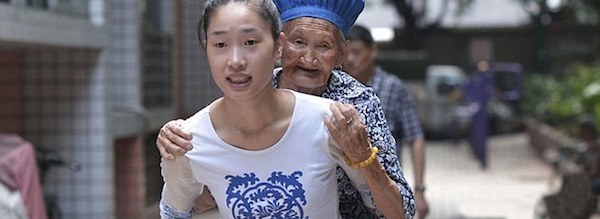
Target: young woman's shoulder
{"points": [[198, 116], [311, 99]]}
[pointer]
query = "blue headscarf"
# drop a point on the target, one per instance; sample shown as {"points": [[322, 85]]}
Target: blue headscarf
{"points": [[342, 13]]}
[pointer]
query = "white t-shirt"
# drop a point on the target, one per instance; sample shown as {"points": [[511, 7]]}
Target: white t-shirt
{"points": [[294, 178]]}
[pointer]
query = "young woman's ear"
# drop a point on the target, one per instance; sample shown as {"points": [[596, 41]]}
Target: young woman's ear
{"points": [[203, 44], [279, 45], [282, 36]]}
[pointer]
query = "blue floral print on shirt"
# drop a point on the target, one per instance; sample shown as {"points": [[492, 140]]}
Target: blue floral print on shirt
{"points": [[280, 197]]}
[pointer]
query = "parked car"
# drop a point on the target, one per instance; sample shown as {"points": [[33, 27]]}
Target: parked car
{"points": [[441, 112]]}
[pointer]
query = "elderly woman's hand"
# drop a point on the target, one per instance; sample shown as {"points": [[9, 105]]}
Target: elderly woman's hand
{"points": [[173, 140], [349, 132]]}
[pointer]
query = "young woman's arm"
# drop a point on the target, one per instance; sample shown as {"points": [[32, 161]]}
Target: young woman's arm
{"points": [[180, 190]]}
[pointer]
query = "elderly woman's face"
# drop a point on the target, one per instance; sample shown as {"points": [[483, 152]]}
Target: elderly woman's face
{"points": [[311, 50]]}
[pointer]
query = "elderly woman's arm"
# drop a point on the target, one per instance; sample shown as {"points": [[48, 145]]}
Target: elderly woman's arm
{"points": [[172, 140], [385, 180], [385, 191]]}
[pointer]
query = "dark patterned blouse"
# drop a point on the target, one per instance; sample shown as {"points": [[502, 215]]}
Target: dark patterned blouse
{"points": [[344, 88]]}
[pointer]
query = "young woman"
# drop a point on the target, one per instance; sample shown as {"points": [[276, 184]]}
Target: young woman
{"points": [[262, 151]]}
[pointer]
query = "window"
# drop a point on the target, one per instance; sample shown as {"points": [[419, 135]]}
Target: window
{"points": [[157, 69], [42, 4]]}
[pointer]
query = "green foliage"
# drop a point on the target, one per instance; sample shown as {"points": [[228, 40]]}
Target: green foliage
{"points": [[561, 100], [585, 11]]}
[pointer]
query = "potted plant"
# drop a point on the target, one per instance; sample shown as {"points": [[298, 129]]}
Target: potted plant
{"points": [[554, 104]]}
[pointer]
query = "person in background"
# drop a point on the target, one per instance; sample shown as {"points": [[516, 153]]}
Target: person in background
{"points": [[478, 91], [314, 41], [396, 101]]}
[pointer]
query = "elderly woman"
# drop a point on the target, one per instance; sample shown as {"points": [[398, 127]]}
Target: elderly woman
{"points": [[314, 40]]}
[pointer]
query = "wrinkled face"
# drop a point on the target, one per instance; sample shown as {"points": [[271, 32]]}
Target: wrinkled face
{"points": [[241, 50], [312, 48], [359, 58]]}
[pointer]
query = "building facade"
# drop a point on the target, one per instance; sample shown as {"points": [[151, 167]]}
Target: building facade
{"points": [[95, 80]]}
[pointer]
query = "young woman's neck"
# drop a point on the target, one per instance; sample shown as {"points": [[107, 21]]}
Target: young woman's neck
{"points": [[256, 112], [254, 124]]}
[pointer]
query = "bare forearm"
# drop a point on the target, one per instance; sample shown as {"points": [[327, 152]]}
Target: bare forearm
{"points": [[418, 159], [384, 191]]}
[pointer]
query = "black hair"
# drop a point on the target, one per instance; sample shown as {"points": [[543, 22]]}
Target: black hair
{"points": [[265, 8], [361, 33]]}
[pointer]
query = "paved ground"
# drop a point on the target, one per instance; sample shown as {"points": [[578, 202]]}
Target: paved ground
{"points": [[458, 189]]}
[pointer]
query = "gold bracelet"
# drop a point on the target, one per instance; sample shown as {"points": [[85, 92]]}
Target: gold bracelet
{"points": [[364, 163]]}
